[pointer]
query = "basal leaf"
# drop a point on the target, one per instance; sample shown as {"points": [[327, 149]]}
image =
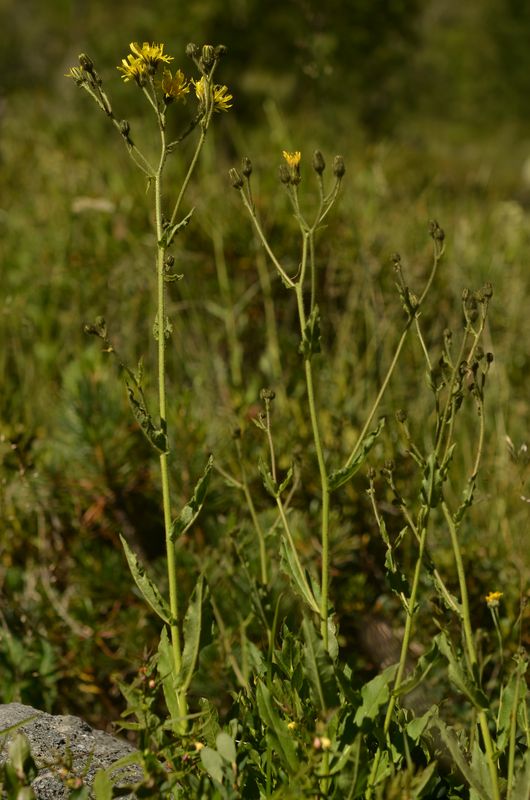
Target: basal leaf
{"points": [[280, 733], [318, 669], [212, 763], [166, 670], [192, 636], [342, 476], [102, 786], [147, 587], [192, 509], [460, 759], [226, 747], [521, 784]]}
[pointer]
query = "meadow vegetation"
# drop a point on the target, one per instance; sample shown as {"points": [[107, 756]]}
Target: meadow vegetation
{"points": [[263, 447]]}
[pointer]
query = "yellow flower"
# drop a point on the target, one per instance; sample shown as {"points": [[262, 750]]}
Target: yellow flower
{"points": [[151, 54], [175, 87], [198, 746], [133, 69], [291, 725], [221, 98], [293, 159], [493, 598]]}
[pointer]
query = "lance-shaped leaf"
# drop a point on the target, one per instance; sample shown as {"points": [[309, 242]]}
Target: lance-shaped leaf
{"points": [[340, 476], [280, 734], [460, 759], [424, 665], [310, 343], [156, 436], [191, 510], [458, 674], [172, 230], [318, 669], [166, 671], [147, 587], [290, 564], [192, 636]]}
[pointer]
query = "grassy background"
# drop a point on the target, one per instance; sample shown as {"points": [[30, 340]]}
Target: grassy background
{"points": [[427, 104]]}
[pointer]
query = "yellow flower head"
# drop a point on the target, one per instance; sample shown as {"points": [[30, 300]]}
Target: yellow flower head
{"points": [[493, 598], [175, 87], [293, 159], [133, 69], [220, 97], [151, 54]]}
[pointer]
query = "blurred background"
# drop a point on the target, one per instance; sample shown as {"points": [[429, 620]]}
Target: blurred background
{"points": [[428, 104]]}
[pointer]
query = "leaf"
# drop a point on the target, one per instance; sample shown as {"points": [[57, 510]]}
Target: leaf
{"points": [[281, 736], [479, 766], [340, 476], [459, 758], [171, 231], [459, 676], [155, 436], [212, 763], [318, 669], [375, 694], [421, 670], [521, 785], [266, 476], [416, 726], [192, 509], [291, 566], [147, 587], [166, 670], [192, 636], [102, 786], [286, 481], [226, 747], [513, 693], [310, 343]]}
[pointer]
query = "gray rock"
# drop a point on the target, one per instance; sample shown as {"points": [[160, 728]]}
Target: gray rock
{"points": [[60, 741]]}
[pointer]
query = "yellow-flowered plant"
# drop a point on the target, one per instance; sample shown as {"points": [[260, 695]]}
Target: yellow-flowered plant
{"points": [[175, 665]]}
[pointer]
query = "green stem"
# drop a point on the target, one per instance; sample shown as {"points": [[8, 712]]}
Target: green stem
{"points": [[469, 642], [324, 483], [166, 500]]}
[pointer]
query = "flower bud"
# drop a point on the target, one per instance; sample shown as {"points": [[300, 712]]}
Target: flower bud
{"points": [[86, 63], [319, 165], [208, 56], [338, 167], [125, 128], [246, 167], [285, 174], [192, 51], [219, 51], [236, 179]]}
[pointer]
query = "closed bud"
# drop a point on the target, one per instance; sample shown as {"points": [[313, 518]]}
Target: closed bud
{"points": [[208, 56], [246, 167], [285, 174], [319, 165], [267, 394], [220, 51], [338, 167], [125, 128], [487, 291], [169, 262], [236, 179], [192, 51], [86, 63], [401, 415]]}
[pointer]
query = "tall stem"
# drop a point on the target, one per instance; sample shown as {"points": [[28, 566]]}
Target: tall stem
{"points": [[324, 483], [166, 501]]}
